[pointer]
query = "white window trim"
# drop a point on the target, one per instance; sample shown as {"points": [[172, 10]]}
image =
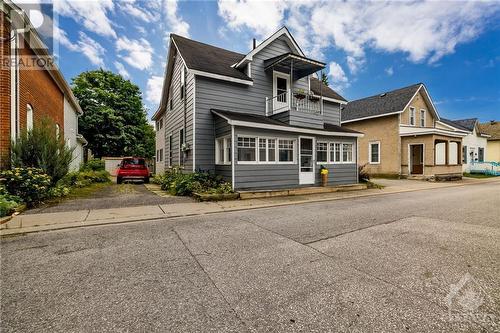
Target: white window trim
{"points": [[225, 141], [412, 110], [181, 138], [424, 112], [29, 117], [370, 152], [330, 162], [327, 152], [257, 160]]}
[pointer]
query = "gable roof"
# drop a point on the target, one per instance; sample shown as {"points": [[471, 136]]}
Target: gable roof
{"points": [[319, 88], [207, 58], [385, 104], [252, 120], [283, 31], [491, 128], [461, 124]]}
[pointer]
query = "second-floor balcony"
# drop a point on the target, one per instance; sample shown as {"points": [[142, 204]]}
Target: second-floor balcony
{"points": [[294, 100]]}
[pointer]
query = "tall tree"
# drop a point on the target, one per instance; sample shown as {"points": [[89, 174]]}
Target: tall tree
{"points": [[114, 120], [324, 78]]}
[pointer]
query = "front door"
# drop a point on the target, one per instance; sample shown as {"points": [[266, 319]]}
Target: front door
{"points": [[281, 84], [306, 158], [417, 159]]}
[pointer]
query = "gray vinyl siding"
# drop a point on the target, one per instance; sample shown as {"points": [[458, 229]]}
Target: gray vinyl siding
{"points": [[174, 119], [276, 176], [331, 113], [235, 97], [303, 119]]}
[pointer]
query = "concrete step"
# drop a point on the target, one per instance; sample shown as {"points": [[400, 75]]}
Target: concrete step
{"points": [[299, 191]]}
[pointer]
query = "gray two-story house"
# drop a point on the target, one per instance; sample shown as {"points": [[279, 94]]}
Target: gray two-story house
{"points": [[261, 120]]}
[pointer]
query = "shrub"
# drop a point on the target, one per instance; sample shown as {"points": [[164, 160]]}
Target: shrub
{"points": [[185, 184], [84, 178], [30, 184], [59, 191], [93, 165], [42, 148], [8, 202], [363, 174]]}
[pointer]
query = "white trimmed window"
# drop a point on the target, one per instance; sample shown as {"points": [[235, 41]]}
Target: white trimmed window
{"points": [[422, 118], [29, 117], [412, 116], [183, 81], [347, 155], [322, 152], [286, 149], [223, 150], [374, 152], [271, 150], [246, 149], [335, 152]]}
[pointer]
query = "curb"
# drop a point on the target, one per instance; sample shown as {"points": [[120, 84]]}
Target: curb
{"points": [[71, 225]]}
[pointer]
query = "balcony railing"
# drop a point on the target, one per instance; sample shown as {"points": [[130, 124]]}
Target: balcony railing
{"points": [[294, 101]]}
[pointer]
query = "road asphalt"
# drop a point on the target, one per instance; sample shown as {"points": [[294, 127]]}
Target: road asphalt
{"points": [[424, 261]]}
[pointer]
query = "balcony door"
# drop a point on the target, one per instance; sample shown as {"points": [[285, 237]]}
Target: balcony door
{"points": [[306, 158], [281, 85]]}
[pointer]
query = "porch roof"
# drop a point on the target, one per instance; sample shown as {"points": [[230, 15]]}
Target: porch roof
{"points": [[263, 122], [416, 131], [302, 66]]}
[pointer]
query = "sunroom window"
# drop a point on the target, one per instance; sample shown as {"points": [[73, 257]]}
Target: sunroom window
{"points": [[246, 149], [285, 150], [322, 152]]}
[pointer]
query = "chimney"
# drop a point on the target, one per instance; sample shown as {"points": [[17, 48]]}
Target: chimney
{"points": [[254, 43]]}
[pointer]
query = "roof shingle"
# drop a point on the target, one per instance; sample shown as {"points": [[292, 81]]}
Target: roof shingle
{"points": [[380, 104], [208, 58], [491, 128], [319, 88]]}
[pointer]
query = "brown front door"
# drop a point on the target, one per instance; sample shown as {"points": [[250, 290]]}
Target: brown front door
{"points": [[417, 159]]}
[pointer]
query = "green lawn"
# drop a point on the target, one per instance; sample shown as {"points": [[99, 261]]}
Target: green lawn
{"points": [[478, 175]]}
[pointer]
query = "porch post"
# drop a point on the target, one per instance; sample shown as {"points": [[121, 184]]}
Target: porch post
{"points": [[447, 152], [291, 83]]}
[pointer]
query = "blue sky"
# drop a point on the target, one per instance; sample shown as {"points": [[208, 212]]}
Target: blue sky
{"points": [[370, 47]]}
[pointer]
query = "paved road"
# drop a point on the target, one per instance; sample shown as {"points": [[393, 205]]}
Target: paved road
{"points": [[112, 196], [413, 262]]}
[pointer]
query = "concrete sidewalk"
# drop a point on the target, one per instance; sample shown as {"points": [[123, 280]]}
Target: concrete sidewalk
{"points": [[61, 220]]}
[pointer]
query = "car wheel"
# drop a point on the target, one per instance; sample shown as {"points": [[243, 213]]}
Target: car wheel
{"points": [[119, 180], [146, 180]]}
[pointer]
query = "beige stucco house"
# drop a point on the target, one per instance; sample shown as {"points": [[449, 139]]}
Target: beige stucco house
{"points": [[492, 128], [403, 136]]}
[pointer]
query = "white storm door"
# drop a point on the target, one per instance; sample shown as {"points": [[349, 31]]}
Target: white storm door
{"points": [[306, 160]]}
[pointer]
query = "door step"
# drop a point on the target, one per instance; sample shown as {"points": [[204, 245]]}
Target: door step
{"points": [[299, 191]]}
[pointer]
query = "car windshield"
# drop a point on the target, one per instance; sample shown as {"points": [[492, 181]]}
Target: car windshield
{"points": [[133, 162]]}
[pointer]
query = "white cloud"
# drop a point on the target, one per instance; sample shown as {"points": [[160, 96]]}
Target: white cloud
{"points": [[154, 89], [121, 70], [339, 80], [91, 13], [85, 45], [138, 53], [424, 30], [389, 71], [263, 17], [91, 49], [132, 8], [174, 21]]}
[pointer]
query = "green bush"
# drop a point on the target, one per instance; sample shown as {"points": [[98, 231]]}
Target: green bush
{"points": [[93, 165], [42, 148], [185, 184], [30, 184], [8, 202], [84, 178], [59, 191]]}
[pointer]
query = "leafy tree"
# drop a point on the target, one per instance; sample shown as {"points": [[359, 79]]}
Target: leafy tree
{"points": [[324, 78], [114, 120], [42, 148]]}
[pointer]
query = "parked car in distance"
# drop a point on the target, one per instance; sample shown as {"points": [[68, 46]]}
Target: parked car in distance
{"points": [[132, 168]]}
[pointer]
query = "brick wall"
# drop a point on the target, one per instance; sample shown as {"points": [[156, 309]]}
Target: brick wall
{"points": [[4, 93], [36, 87]]}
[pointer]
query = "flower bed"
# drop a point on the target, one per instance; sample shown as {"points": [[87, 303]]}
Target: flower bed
{"points": [[178, 183]]}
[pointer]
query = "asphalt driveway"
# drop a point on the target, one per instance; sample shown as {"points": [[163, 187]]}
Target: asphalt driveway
{"points": [[111, 196], [426, 261]]}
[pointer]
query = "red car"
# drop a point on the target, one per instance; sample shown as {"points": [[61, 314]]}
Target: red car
{"points": [[132, 168]]}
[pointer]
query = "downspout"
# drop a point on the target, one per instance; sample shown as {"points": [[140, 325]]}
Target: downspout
{"points": [[15, 114]]}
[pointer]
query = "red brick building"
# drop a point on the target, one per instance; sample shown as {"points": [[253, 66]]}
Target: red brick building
{"points": [[31, 86]]}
